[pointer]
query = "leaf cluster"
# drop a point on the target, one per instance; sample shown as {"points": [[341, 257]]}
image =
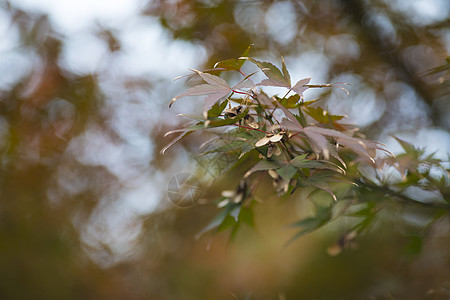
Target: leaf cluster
{"points": [[296, 144]]}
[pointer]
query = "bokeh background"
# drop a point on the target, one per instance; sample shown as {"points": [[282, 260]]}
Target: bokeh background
{"points": [[84, 89]]}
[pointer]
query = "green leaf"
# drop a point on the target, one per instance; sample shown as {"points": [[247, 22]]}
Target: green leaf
{"points": [[240, 141], [217, 109], [322, 187], [286, 172], [365, 223], [245, 162], [262, 165], [223, 220], [306, 163], [248, 139], [322, 217], [367, 210], [407, 147], [301, 162], [241, 101], [274, 75], [410, 180], [246, 216], [229, 121], [228, 222], [201, 125], [225, 148], [321, 115], [307, 103], [367, 213], [233, 64], [290, 102], [298, 159], [301, 118]]}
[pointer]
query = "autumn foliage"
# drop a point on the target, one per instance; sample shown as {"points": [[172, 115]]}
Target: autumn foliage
{"points": [[299, 145]]}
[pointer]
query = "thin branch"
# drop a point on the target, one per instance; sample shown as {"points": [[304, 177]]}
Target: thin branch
{"points": [[247, 127], [388, 191]]}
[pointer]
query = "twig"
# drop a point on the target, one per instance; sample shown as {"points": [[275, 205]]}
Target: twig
{"points": [[401, 196]]}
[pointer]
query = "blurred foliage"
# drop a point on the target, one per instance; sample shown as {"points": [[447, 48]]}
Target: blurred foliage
{"points": [[58, 195]]}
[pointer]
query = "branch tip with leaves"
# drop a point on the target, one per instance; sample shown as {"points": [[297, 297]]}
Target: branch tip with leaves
{"points": [[304, 146]]}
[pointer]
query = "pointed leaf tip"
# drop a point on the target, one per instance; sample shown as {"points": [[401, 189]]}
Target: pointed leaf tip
{"points": [[286, 74], [196, 71], [300, 86]]}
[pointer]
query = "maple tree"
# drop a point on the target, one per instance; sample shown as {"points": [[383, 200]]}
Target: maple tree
{"points": [[298, 144], [78, 128]]}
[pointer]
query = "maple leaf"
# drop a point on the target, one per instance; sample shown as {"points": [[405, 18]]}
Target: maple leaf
{"points": [[277, 77], [301, 86], [232, 64], [365, 149], [216, 89], [319, 140], [274, 75]]}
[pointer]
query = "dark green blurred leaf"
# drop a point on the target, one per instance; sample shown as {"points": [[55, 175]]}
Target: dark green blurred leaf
{"points": [[414, 246], [223, 220], [228, 222], [246, 216], [323, 216], [286, 172], [263, 165]]}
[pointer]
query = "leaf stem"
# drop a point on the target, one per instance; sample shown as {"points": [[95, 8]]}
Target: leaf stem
{"points": [[243, 93], [286, 94], [298, 132], [268, 117], [251, 128]]}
